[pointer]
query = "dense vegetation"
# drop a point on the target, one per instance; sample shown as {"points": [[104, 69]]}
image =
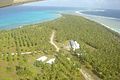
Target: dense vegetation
{"points": [[100, 48], [25, 40], [63, 69]]}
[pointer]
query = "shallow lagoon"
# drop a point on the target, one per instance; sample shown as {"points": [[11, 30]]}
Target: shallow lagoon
{"points": [[14, 16]]}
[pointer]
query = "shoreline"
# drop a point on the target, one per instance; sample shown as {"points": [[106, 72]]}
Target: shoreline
{"points": [[19, 3], [98, 15], [35, 39], [88, 17], [59, 15]]}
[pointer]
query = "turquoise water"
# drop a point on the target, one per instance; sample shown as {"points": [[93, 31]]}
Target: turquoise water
{"points": [[15, 16]]}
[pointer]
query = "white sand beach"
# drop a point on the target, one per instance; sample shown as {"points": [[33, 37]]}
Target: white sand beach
{"points": [[111, 23]]}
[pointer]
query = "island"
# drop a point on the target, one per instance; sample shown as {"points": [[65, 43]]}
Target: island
{"points": [[4, 3], [41, 51]]}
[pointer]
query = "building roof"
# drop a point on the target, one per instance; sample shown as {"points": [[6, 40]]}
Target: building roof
{"points": [[74, 44], [51, 61], [43, 58]]}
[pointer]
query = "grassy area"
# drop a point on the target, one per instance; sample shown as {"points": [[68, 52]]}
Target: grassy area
{"points": [[100, 48]]}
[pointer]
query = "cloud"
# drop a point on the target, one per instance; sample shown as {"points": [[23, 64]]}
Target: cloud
{"points": [[80, 3]]}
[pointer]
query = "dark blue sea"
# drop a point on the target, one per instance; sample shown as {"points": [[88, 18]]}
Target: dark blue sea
{"points": [[108, 17], [15, 16], [105, 13]]}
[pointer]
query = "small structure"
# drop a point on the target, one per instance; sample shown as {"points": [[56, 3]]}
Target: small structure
{"points": [[26, 53], [51, 61], [43, 58], [78, 54], [74, 45], [14, 53], [68, 59]]}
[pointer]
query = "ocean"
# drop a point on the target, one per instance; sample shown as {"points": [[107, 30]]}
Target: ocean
{"points": [[109, 18], [106, 12], [16, 16]]}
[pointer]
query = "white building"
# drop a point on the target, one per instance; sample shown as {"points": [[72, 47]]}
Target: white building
{"points": [[26, 53], [43, 58], [51, 61], [74, 45]]}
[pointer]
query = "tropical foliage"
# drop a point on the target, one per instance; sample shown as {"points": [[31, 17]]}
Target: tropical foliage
{"points": [[100, 48]]}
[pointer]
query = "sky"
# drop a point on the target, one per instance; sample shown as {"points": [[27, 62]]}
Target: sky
{"points": [[109, 4]]}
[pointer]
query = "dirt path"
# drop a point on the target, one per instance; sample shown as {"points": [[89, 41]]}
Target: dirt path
{"points": [[85, 73], [88, 75], [52, 41]]}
